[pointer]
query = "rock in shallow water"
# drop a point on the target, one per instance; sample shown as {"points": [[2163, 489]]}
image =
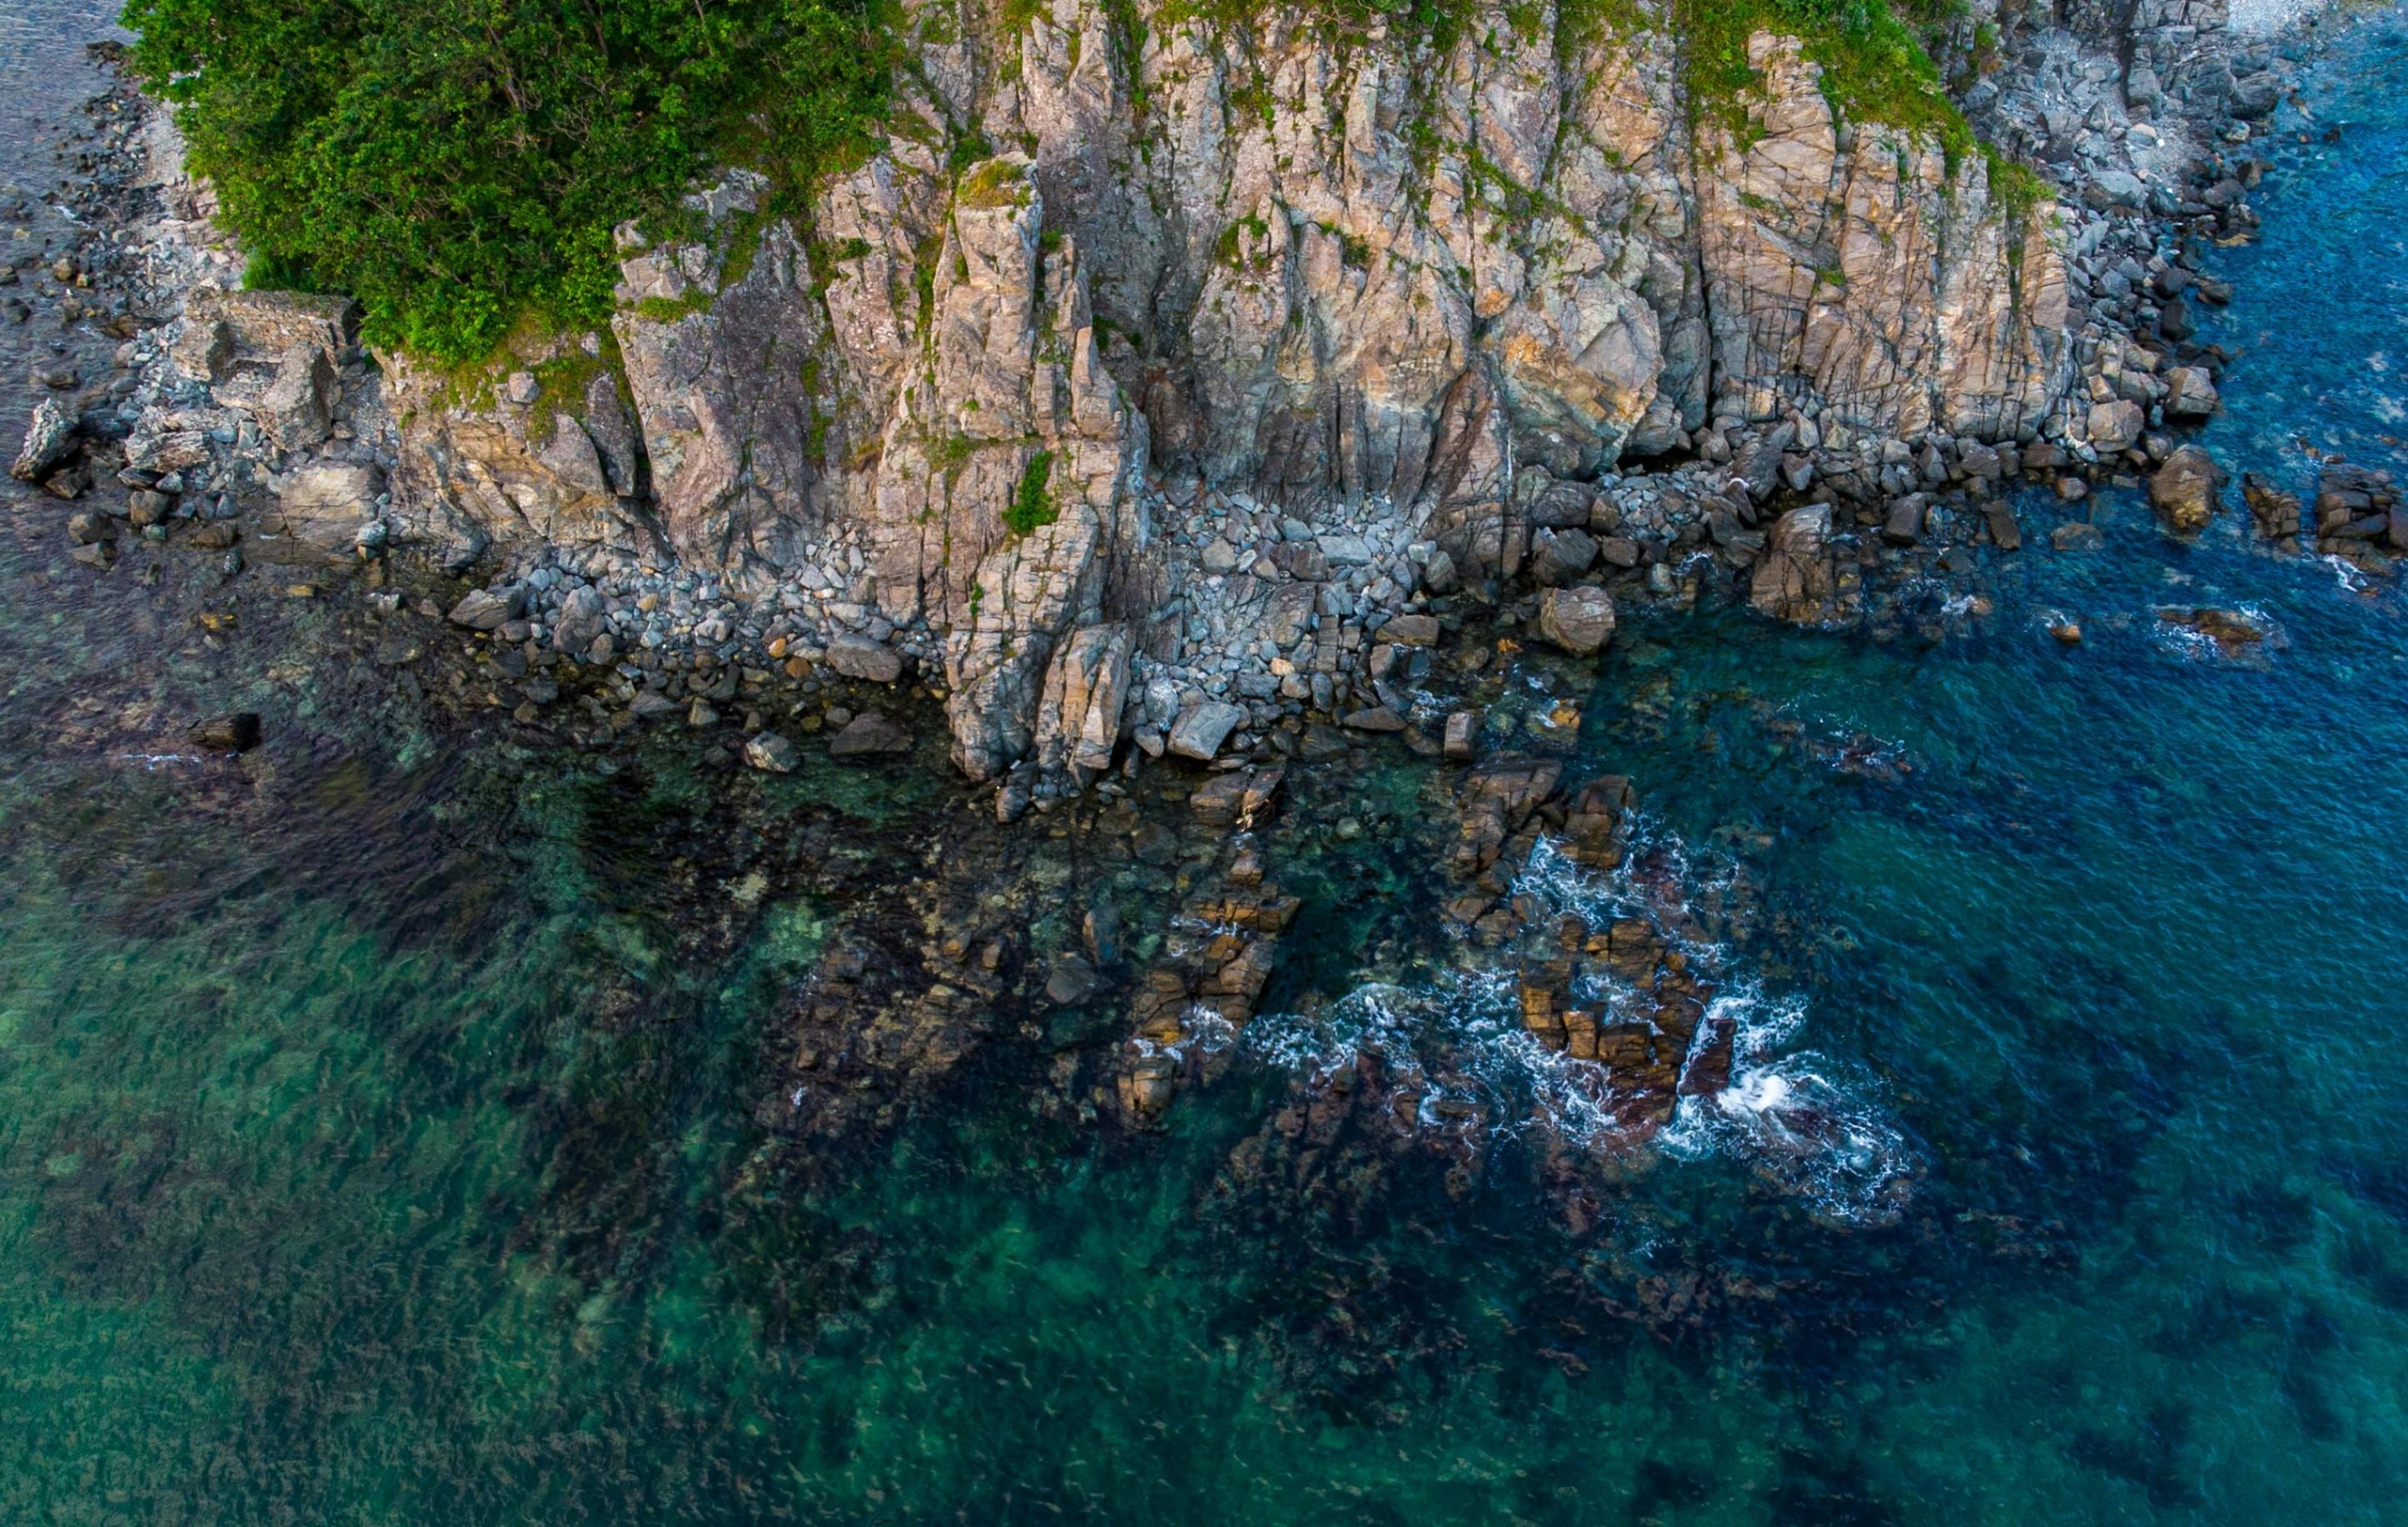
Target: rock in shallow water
{"points": [[771, 753], [2183, 491], [1578, 620], [49, 439], [234, 733], [869, 734]]}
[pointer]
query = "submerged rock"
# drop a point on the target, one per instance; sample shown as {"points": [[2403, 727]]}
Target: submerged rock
{"points": [[237, 732], [869, 734]]}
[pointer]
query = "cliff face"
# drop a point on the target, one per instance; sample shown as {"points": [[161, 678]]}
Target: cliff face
{"points": [[1396, 299]]}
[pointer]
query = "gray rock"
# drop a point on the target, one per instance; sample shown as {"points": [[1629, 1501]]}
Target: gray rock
{"points": [[296, 411], [1071, 981], [2189, 393], [1559, 556], [771, 753], [1372, 719], [2116, 425], [1461, 729], [1345, 551], [50, 440], [325, 507], [1203, 728], [481, 610], [859, 657]]}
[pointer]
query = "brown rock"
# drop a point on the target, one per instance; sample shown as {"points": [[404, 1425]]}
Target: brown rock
{"points": [[2183, 491], [237, 732], [869, 734], [1578, 620]]}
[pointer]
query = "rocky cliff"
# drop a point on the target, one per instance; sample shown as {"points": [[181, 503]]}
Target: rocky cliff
{"points": [[1151, 365]]}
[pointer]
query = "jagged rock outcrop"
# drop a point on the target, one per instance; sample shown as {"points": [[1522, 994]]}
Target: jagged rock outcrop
{"points": [[1413, 305]]}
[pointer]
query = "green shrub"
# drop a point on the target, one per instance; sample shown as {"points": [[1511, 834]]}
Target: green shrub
{"points": [[1875, 68], [1033, 505], [458, 164]]}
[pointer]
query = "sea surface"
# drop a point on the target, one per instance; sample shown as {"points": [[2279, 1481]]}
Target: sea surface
{"points": [[391, 1123]]}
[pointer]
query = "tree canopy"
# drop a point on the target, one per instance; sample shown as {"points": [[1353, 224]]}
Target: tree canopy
{"points": [[458, 164]]}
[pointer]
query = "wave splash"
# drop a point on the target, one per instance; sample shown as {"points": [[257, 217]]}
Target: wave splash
{"points": [[1453, 1046]]}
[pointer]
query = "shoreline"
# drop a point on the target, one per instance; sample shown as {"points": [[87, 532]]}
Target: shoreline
{"points": [[1796, 524]]}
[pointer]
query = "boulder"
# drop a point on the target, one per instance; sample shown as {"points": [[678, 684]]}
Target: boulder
{"points": [[297, 409], [2189, 393], [859, 657], [1796, 581], [2183, 491], [482, 609], [869, 734], [325, 506], [1903, 525], [2232, 631], [1411, 630], [1203, 728], [50, 440], [237, 732], [224, 328], [1578, 620], [2116, 425], [1559, 556], [771, 753], [1462, 729], [2275, 513]]}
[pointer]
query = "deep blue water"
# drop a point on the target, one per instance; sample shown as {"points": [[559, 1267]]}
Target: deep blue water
{"points": [[388, 1126]]}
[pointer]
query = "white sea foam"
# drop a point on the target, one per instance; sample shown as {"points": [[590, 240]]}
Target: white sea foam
{"points": [[1803, 1120]]}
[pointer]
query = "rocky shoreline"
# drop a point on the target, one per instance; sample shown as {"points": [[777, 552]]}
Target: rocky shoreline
{"points": [[1179, 614], [1191, 593]]}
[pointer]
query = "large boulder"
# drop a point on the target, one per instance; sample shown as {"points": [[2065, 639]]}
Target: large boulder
{"points": [[297, 409], [869, 734], [859, 657], [2115, 426], [483, 610], [2190, 393], [1578, 620], [1203, 728], [2185, 491], [325, 506], [50, 440], [1559, 556], [1796, 581]]}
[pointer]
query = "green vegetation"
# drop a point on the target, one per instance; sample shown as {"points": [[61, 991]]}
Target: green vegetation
{"points": [[458, 164], [1032, 503], [1876, 65]]}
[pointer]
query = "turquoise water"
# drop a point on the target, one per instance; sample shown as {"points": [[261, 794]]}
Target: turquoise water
{"points": [[395, 1125]]}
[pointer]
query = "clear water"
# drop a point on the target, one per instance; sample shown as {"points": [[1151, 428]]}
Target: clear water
{"points": [[391, 1126]]}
